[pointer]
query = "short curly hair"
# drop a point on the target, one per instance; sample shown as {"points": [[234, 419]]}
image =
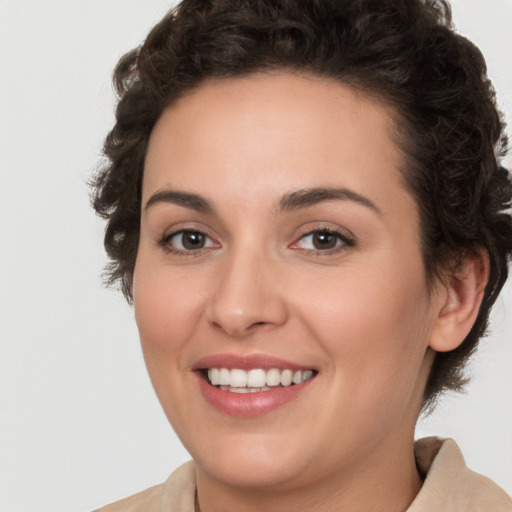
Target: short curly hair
{"points": [[403, 52]]}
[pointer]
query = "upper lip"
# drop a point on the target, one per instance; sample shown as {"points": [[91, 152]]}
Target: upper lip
{"points": [[247, 362]]}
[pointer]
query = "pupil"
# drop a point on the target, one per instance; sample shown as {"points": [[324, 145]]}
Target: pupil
{"points": [[193, 240], [324, 241]]}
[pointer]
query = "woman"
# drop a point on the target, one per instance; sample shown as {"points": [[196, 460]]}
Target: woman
{"points": [[305, 206]]}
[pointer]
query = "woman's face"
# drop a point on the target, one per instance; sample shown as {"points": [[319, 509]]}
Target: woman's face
{"points": [[278, 243]]}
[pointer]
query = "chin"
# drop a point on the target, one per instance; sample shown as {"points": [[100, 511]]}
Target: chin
{"points": [[253, 474], [252, 463]]}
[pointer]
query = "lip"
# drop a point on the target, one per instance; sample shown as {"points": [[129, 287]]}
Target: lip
{"points": [[247, 362], [248, 404]]}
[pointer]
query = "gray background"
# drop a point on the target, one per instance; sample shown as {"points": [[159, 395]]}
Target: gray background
{"points": [[79, 425]]}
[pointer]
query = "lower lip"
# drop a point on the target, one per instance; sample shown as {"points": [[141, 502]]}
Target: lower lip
{"points": [[249, 404]]}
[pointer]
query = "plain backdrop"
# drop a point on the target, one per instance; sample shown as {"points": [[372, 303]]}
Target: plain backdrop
{"points": [[79, 423]]}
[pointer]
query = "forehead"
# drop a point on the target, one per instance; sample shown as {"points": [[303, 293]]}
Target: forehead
{"points": [[271, 133]]}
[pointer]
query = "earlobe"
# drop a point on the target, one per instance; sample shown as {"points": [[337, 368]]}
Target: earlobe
{"points": [[461, 294]]}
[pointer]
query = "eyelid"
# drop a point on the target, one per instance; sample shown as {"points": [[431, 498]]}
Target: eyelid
{"points": [[343, 234], [168, 235]]}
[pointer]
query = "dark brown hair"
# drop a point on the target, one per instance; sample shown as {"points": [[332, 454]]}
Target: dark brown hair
{"points": [[404, 52]]}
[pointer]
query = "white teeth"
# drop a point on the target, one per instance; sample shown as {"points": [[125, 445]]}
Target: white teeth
{"points": [[256, 379], [308, 374], [213, 375], [238, 390], [224, 377], [273, 377], [244, 390], [286, 377], [238, 378]]}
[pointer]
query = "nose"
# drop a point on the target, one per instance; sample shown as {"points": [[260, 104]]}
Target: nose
{"points": [[247, 297]]}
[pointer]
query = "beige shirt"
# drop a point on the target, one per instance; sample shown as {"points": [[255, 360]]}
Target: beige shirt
{"points": [[449, 486]]}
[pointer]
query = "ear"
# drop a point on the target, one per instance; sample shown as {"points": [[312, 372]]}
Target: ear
{"points": [[459, 297]]}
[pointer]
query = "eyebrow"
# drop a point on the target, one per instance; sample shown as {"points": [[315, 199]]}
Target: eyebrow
{"points": [[295, 200], [311, 196], [185, 199]]}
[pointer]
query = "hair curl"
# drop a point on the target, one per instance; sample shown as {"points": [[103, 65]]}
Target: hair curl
{"points": [[404, 52]]}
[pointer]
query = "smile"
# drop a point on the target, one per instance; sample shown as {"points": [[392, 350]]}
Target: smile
{"points": [[255, 380], [251, 385]]}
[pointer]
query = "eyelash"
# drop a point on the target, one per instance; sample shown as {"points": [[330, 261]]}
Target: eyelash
{"points": [[346, 242], [164, 242]]}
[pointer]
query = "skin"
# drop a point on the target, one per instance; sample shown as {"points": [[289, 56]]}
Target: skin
{"points": [[360, 313]]}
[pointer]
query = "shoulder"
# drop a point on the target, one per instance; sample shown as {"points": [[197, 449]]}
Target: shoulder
{"points": [[450, 485], [148, 501], [176, 493]]}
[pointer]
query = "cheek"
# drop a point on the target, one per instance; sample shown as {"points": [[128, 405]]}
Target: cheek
{"points": [[374, 325], [168, 306]]}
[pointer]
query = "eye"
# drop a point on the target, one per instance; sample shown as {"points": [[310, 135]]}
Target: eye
{"points": [[323, 240], [187, 241]]}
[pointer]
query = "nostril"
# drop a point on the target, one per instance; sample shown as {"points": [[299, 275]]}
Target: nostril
{"points": [[257, 325], [244, 314]]}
